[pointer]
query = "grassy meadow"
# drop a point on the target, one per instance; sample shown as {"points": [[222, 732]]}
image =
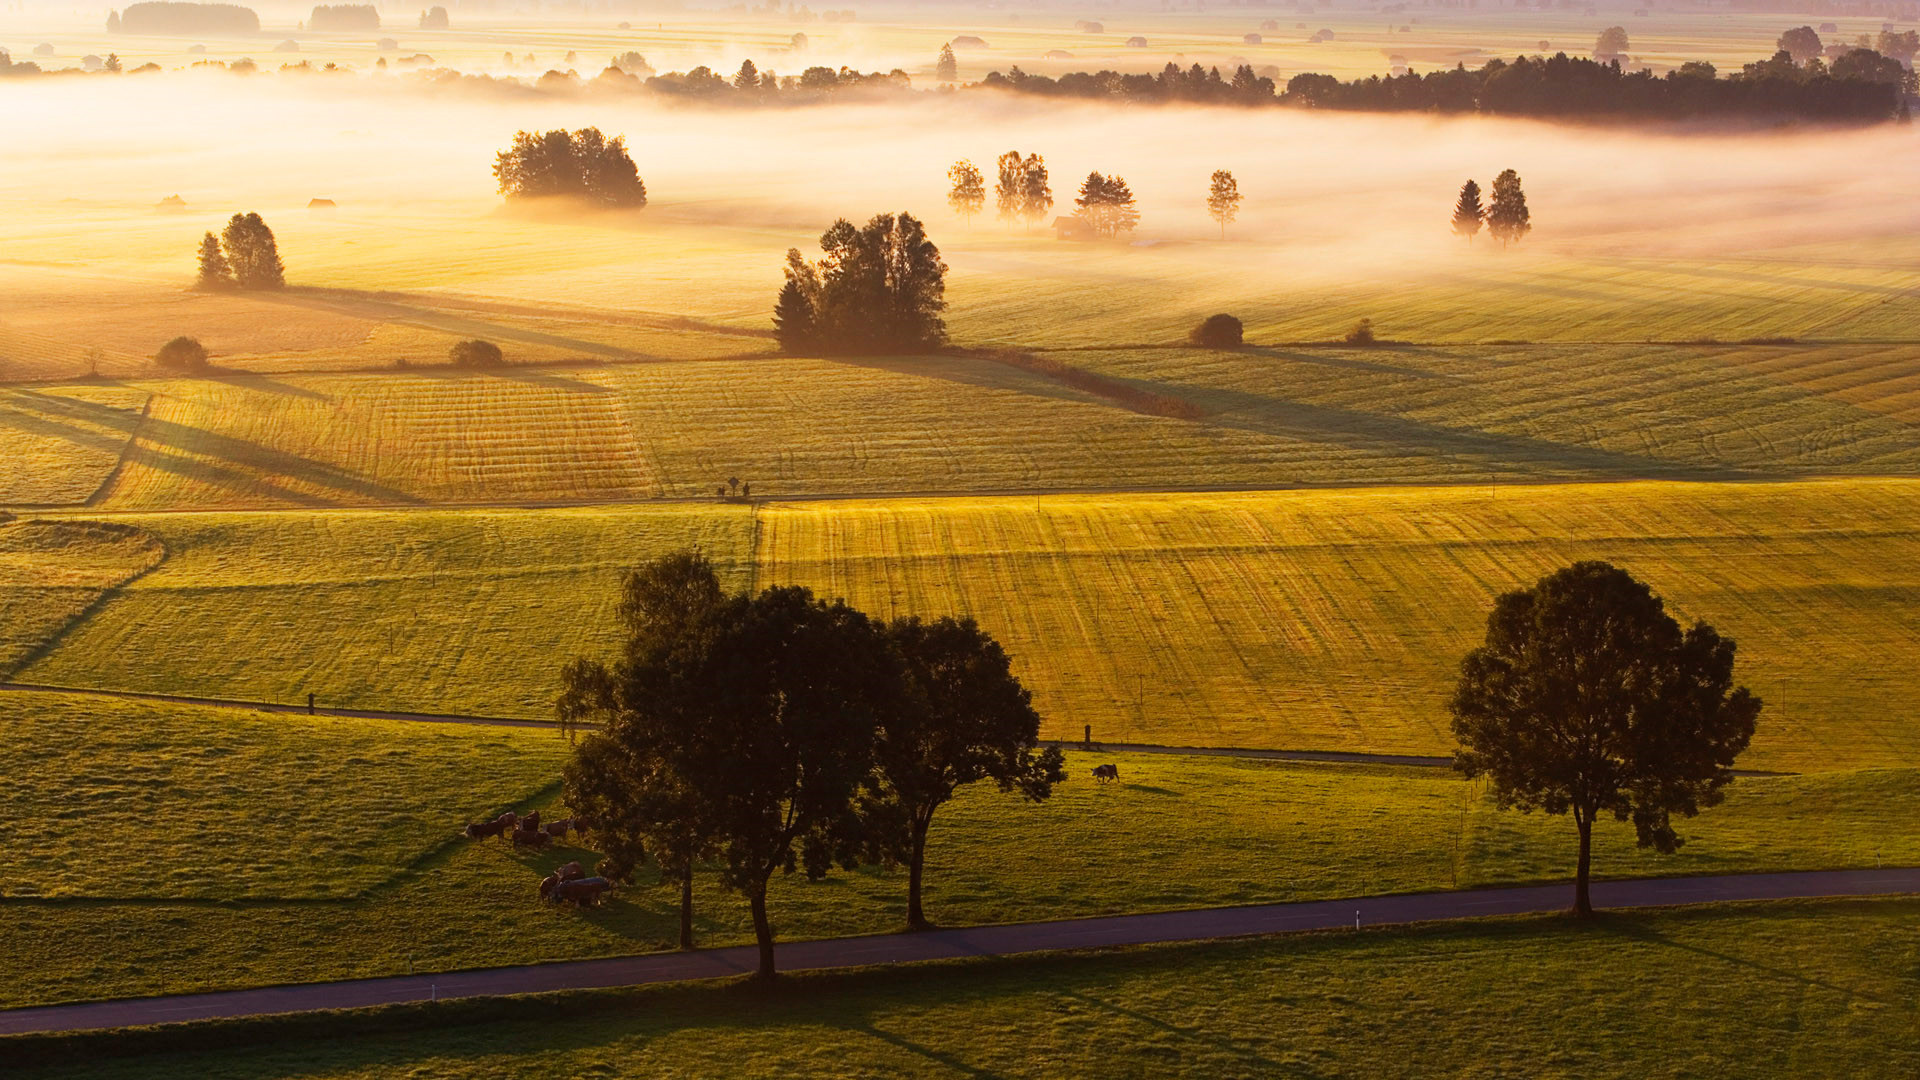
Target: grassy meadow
{"points": [[53, 572], [1818, 989], [171, 848]]}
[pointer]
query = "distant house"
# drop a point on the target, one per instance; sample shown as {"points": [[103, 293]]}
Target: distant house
{"points": [[1071, 228], [322, 206]]}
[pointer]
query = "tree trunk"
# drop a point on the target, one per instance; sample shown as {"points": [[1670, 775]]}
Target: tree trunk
{"points": [[762, 930], [916, 918], [1582, 902], [686, 907]]}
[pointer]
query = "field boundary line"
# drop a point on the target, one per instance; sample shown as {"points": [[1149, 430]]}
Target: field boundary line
{"points": [[112, 479], [1100, 932], [46, 647]]}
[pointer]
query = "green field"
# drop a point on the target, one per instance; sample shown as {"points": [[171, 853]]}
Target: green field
{"points": [[53, 572], [1806, 989], [171, 848], [1329, 620]]}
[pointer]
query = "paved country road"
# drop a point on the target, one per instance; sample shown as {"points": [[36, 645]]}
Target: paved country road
{"points": [[904, 948]]}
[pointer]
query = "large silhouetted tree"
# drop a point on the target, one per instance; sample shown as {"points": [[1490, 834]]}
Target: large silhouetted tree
{"points": [[1507, 216], [1468, 214], [252, 253], [1223, 199], [962, 717], [968, 196], [583, 165], [878, 288], [639, 799], [1587, 698], [1106, 205]]}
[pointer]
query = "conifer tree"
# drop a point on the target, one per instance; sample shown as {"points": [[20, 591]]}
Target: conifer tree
{"points": [[748, 77], [215, 272], [946, 69], [1507, 217], [1223, 199], [795, 323], [969, 194], [1468, 214]]}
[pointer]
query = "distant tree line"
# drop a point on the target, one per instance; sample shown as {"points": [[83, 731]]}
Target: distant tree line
{"points": [[434, 18], [760, 734], [583, 165], [877, 289], [166, 17], [243, 256], [344, 17], [1860, 85]]}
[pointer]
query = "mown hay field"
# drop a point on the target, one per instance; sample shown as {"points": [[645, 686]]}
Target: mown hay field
{"points": [[1268, 417], [1820, 989], [176, 847], [1336, 620]]}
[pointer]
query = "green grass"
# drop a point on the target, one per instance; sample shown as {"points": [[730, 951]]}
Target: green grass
{"points": [[178, 848], [61, 444], [53, 571], [1790, 989]]}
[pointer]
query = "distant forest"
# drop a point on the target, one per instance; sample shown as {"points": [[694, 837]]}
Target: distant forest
{"points": [[174, 18], [1860, 85]]}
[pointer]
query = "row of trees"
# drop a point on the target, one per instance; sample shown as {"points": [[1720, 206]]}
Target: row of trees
{"points": [[763, 734], [583, 165], [877, 289], [1507, 219], [244, 255], [1105, 203], [1862, 84]]}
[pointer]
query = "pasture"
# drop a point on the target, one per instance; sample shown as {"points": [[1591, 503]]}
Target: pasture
{"points": [[169, 848], [1820, 989], [53, 572]]}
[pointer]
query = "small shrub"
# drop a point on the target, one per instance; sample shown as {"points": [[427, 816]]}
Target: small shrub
{"points": [[182, 354], [1362, 333], [1217, 332], [476, 354]]}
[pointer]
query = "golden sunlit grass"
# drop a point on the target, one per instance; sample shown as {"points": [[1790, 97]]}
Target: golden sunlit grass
{"points": [[188, 847], [60, 444], [53, 571], [1336, 620]]}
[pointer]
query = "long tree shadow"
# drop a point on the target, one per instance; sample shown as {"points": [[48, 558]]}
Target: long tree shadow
{"points": [[1637, 928], [403, 310], [242, 465]]}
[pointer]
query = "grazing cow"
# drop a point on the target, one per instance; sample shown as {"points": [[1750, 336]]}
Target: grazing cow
{"points": [[558, 829], [506, 823], [1106, 773], [531, 821], [480, 830], [572, 871], [585, 892], [526, 837]]}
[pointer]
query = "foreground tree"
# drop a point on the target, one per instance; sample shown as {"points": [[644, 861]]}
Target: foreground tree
{"points": [[583, 165], [622, 777], [252, 253], [962, 717], [215, 272], [1106, 204], [1223, 199], [968, 195], [879, 288], [1507, 217], [1468, 215], [1587, 698]]}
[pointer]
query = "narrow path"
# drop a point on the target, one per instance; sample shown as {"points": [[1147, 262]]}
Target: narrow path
{"points": [[1172, 926]]}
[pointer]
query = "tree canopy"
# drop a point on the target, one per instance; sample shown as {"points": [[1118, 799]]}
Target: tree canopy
{"points": [[1021, 193], [1588, 698], [1106, 204], [1223, 199], [1508, 219], [583, 165], [878, 288], [1468, 214], [251, 252], [182, 354], [968, 195]]}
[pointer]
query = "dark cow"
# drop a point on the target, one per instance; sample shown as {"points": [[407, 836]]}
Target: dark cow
{"points": [[572, 871], [1106, 773], [584, 892], [558, 829], [529, 837], [480, 830]]}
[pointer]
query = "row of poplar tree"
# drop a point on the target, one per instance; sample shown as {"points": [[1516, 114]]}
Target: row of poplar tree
{"points": [[1105, 203], [1506, 219]]}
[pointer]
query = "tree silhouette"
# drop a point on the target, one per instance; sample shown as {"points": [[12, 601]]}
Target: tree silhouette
{"points": [[1008, 189], [182, 354], [1588, 698], [215, 272], [946, 68], [1106, 204], [1217, 332], [1036, 198], [252, 253], [1223, 199], [583, 165], [1801, 43], [476, 354], [1507, 216], [747, 78], [877, 289], [1611, 44], [1468, 214], [969, 193]]}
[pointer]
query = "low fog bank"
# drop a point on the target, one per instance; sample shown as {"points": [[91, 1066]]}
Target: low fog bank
{"points": [[1339, 192]]}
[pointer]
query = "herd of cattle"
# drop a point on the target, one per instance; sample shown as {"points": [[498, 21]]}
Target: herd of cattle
{"points": [[568, 884]]}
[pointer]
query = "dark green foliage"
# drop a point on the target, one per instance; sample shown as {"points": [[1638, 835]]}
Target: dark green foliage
{"points": [[176, 18], [344, 17], [252, 253], [1106, 204], [877, 289], [215, 271], [1468, 214], [1217, 332], [962, 717], [182, 354], [1588, 698], [476, 354], [1507, 217], [583, 165]]}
